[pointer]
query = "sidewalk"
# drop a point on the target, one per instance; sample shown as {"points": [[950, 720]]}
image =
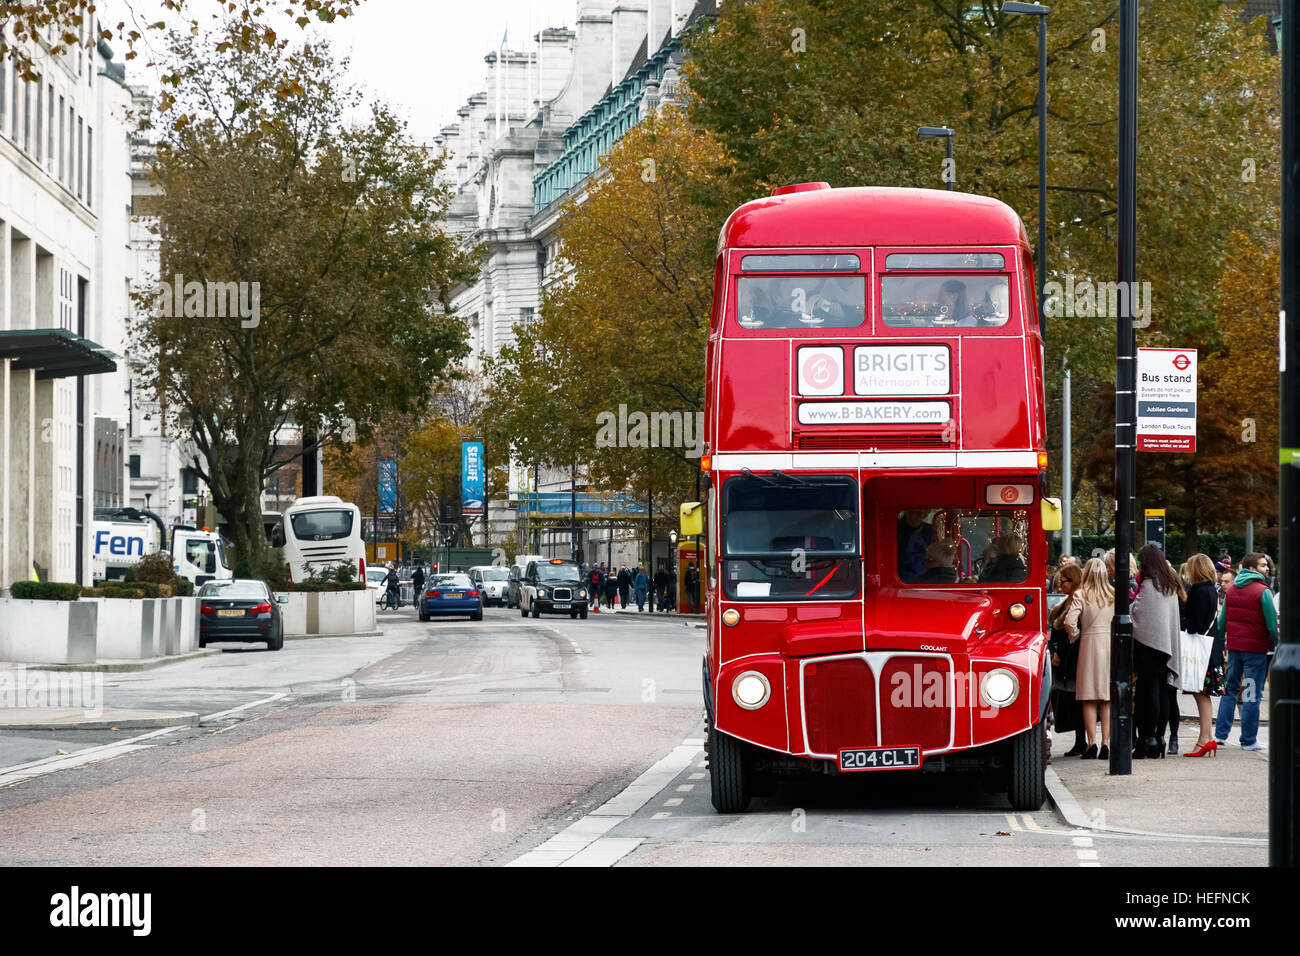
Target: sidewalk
{"points": [[1223, 797]]}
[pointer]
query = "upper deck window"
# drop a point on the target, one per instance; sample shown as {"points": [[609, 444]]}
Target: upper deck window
{"points": [[945, 260], [804, 263], [801, 302], [936, 301]]}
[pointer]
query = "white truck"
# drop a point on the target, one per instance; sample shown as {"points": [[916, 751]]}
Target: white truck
{"points": [[121, 538]]}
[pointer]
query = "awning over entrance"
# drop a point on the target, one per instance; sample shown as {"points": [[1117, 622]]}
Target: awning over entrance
{"points": [[55, 353]]}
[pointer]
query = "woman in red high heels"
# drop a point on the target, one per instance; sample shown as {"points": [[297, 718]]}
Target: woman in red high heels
{"points": [[1198, 618]]}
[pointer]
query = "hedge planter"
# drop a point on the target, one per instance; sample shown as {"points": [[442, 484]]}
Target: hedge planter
{"points": [[47, 632]]}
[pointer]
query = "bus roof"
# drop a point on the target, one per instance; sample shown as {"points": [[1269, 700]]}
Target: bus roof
{"points": [[870, 216]]}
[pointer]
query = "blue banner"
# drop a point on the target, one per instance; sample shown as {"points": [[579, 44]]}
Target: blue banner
{"points": [[471, 477], [388, 487]]}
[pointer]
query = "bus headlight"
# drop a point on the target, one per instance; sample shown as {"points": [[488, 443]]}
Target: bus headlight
{"points": [[751, 690], [731, 617], [1000, 687], [1016, 612]]}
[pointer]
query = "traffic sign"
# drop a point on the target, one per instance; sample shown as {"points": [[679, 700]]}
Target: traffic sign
{"points": [[1166, 400]]}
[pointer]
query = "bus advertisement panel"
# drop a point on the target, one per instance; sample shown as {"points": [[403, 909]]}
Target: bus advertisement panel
{"points": [[875, 474]]}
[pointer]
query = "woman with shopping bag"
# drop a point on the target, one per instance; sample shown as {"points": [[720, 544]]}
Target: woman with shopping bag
{"points": [[1202, 644]]}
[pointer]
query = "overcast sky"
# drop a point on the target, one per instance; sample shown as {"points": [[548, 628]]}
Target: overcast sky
{"points": [[425, 57]]}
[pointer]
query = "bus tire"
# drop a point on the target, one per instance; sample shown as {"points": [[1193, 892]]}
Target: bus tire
{"points": [[1026, 783], [728, 772]]}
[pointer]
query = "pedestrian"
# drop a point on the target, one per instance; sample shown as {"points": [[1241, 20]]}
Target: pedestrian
{"points": [[661, 588], [1066, 711], [641, 583], [1249, 621], [1172, 709], [692, 581], [1088, 624], [611, 590], [1157, 650], [1199, 614], [624, 585]]}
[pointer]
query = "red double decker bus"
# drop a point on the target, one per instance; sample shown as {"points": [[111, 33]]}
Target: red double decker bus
{"points": [[876, 516]]}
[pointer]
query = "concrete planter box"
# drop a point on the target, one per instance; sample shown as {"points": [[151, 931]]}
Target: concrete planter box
{"points": [[119, 629], [334, 613], [363, 611], [328, 612], [47, 632], [294, 614]]}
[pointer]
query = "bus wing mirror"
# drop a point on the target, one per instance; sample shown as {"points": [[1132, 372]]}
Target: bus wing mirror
{"points": [[277, 538], [692, 519], [1052, 516]]}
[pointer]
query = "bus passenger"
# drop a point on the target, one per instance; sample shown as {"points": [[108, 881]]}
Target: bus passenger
{"points": [[1007, 565], [954, 306], [940, 563], [838, 299], [914, 537]]}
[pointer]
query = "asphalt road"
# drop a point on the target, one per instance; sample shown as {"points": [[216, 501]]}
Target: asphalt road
{"points": [[552, 742]]}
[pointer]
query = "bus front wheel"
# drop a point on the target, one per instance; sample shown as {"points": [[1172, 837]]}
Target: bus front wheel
{"points": [[728, 772], [1026, 784]]}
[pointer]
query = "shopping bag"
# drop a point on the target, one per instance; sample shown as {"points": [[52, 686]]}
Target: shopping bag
{"points": [[1196, 660]]}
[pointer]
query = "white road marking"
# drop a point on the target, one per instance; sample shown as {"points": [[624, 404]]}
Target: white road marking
{"points": [[662, 815], [234, 710], [686, 788], [584, 843], [696, 776], [673, 802]]}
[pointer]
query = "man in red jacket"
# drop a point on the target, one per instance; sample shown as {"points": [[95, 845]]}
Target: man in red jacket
{"points": [[1249, 617]]}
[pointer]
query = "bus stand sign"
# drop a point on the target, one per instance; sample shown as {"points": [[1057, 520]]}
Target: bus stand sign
{"points": [[1166, 400]]}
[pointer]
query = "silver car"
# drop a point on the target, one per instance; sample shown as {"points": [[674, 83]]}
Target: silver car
{"points": [[492, 581]]}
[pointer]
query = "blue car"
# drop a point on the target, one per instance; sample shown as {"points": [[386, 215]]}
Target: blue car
{"points": [[451, 594]]}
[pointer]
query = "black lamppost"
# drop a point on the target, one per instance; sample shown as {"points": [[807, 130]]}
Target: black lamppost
{"points": [[940, 132], [1040, 11], [1284, 676]]}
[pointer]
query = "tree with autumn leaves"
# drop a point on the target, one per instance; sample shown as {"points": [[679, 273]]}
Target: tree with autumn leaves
{"points": [[628, 326], [783, 91], [336, 230], [1233, 474]]}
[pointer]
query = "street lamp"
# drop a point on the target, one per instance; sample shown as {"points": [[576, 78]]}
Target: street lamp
{"points": [[940, 132], [1040, 11]]}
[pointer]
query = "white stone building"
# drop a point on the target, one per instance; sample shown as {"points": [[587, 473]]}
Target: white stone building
{"points": [[516, 153], [65, 193]]}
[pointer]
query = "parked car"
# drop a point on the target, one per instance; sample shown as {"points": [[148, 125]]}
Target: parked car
{"points": [[553, 587], [451, 594], [375, 583], [240, 610], [492, 582], [514, 588]]}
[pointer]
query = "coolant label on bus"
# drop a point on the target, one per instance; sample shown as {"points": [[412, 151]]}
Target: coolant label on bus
{"points": [[874, 413], [901, 370]]}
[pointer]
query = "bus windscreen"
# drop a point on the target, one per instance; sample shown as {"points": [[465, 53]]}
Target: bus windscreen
{"points": [[786, 538], [956, 546], [322, 525]]}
